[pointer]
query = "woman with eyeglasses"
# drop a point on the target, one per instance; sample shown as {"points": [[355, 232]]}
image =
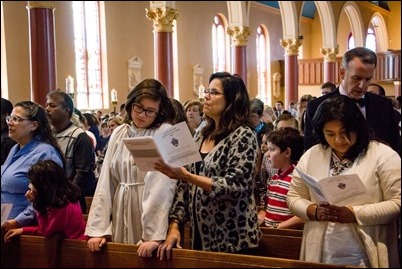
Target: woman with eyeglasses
{"points": [[129, 205], [30, 128], [218, 197]]}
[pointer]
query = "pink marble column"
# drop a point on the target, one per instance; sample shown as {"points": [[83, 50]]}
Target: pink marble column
{"points": [[163, 52], [330, 63], [291, 79], [162, 18], [291, 47], [239, 36], [239, 62], [42, 49]]}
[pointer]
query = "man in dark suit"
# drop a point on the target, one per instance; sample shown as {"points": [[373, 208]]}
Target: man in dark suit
{"points": [[356, 72]]}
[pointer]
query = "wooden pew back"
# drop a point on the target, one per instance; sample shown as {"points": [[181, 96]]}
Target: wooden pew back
{"points": [[33, 252], [280, 243], [88, 201], [277, 243]]}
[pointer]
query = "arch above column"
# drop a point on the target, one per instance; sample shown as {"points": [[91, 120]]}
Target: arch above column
{"points": [[380, 31], [289, 18], [356, 22], [238, 12], [328, 26]]}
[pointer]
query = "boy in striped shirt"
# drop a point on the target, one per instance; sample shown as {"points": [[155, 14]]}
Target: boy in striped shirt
{"points": [[285, 147]]}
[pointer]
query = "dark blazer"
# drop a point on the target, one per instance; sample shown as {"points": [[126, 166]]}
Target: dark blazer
{"points": [[380, 118]]}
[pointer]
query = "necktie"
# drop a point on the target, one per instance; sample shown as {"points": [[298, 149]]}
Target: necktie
{"points": [[361, 102]]}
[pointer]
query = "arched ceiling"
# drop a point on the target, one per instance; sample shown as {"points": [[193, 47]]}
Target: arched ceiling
{"points": [[309, 8]]}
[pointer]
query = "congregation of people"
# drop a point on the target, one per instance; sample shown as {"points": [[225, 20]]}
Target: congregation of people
{"points": [[54, 156]]}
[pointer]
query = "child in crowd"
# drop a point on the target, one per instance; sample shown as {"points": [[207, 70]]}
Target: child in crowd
{"points": [[267, 171], [55, 200], [131, 206], [285, 147]]}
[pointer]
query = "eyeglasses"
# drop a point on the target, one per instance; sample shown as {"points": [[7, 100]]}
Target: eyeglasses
{"points": [[139, 109], [212, 92], [14, 119]]}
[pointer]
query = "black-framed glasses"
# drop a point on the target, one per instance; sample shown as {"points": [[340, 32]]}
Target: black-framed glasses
{"points": [[139, 109], [212, 92], [14, 119]]}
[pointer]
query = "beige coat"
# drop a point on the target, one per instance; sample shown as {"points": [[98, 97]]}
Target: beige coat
{"points": [[380, 171]]}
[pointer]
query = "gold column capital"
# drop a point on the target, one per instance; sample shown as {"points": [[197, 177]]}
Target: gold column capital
{"points": [[41, 4], [330, 54], [239, 34], [162, 18], [291, 46]]}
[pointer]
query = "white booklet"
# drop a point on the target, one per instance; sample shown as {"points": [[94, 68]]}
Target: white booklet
{"points": [[338, 190], [175, 145], [5, 211]]}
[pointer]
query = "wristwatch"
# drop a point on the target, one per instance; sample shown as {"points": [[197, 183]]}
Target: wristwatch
{"points": [[275, 225]]}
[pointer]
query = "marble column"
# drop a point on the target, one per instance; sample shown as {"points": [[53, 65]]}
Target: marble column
{"points": [[42, 49], [291, 47], [239, 36], [163, 47], [330, 64]]}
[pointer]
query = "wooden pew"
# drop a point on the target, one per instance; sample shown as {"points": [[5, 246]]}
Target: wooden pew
{"points": [[34, 252], [29, 251], [277, 243], [280, 243], [283, 232], [88, 200]]}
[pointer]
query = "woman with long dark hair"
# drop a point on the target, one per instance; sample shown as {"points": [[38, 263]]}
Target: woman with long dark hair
{"points": [[217, 196], [362, 233]]}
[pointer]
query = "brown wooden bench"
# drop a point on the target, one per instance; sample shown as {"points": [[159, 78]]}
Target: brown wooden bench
{"points": [[277, 243], [88, 200], [280, 243], [36, 252]]}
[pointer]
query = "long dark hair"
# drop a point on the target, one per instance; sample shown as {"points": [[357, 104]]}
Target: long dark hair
{"points": [[237, 110], [53, 189], [154, 90], [36, 112], [344, 109]]}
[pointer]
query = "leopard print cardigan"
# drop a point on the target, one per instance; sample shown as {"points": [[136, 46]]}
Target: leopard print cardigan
{"points": [[226, 217]]}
